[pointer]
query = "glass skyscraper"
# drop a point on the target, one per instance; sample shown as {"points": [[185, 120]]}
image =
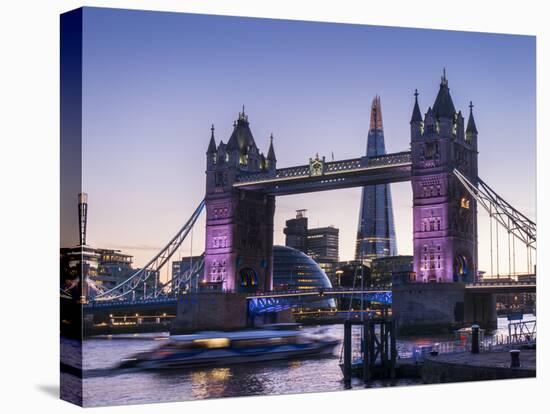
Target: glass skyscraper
{"points": [[376, 231]]}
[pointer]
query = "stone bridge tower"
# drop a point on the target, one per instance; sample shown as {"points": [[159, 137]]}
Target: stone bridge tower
{"points": [[444, 214], [239, 224]]}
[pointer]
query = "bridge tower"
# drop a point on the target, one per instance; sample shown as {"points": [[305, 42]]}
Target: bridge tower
{"points": [[444, 214], [239, 224]]}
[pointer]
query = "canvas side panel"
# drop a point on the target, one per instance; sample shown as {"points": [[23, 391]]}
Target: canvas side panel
{"points": [[71, 183]]}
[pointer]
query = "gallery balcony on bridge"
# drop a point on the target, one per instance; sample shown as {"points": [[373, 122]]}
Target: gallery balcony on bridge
{"points": [[320, 175]]}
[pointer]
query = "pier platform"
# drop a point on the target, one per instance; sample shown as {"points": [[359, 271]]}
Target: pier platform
{"points": [[465, 366]]}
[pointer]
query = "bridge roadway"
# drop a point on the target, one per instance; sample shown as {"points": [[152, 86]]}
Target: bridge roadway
{"points": [[319, 292], [502, 287], [167, 301], [161, 304], [278, 300], [264, 301]]}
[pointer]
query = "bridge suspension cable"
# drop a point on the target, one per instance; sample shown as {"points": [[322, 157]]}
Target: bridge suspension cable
{"points": [[510, 218], [181, 280], [152, 269], [515, 223]]}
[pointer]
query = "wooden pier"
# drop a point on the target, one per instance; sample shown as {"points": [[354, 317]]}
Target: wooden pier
{"points": [[378, 350]]}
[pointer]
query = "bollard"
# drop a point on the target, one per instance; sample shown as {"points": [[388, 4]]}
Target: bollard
{"points": [[514, 358], [475, 339], [347, 354], [365, 352]]}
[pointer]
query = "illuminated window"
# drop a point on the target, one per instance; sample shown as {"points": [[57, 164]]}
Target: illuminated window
{"points": [[464, 203]]}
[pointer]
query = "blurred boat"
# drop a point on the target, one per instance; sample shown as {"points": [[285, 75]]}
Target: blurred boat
{"points": [[223, 348]]}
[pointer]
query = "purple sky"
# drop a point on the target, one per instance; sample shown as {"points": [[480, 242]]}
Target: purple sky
{"points": [[155, 82]]}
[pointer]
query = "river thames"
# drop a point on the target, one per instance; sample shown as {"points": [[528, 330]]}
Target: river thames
{"points": [[105, 386]]}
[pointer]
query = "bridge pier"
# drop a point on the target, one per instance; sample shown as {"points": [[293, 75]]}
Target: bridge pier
{"points": [[481, 308], [201, 311], [429, 308], [209, 311]]}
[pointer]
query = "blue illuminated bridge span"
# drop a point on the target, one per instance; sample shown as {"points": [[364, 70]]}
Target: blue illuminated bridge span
{"points": [[258, 303], [270, 302], [276, 301]]}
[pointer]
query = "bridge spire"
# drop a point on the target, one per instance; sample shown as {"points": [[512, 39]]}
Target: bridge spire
{"points": [[212, 144], [416, 115], [443, 106], [243, 116], [271, 151], [471, 128]]}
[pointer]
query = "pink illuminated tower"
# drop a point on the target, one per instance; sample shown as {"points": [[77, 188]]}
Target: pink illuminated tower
{"points": [[239, 224], [444, 215]]}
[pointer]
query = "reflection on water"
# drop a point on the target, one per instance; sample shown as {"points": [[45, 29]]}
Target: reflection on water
{"points": [[267, 378]]}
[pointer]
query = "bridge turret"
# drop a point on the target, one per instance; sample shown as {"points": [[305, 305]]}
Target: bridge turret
{"points": [[271, 160], [471, 129], [241, 147], [444, 109], [417, 125], [211, 152]]}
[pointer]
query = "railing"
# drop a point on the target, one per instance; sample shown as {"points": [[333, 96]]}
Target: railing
{"points": [[152, 301], [503, 283], [343, 165], [315, 291], [300, 171], [524, 332], [245, 178], [519, 334], [330, 167], [390, 159]]}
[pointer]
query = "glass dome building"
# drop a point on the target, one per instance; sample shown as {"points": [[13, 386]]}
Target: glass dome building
{"points": [[294, 270]]}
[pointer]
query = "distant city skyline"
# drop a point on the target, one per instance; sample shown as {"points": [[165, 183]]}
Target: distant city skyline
{"points": [[153, 83]]}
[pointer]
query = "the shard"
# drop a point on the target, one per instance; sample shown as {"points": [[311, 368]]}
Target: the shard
{"points": [[376, 231]]}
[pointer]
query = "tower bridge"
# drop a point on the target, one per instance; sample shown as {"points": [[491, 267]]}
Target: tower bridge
{"points": [[242, 183], [442, 165]]}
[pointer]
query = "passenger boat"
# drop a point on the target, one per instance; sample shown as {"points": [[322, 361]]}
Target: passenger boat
{"points": [[222, 348]]}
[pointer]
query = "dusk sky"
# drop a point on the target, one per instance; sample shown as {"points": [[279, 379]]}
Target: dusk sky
{"points": [[153, 84]]}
